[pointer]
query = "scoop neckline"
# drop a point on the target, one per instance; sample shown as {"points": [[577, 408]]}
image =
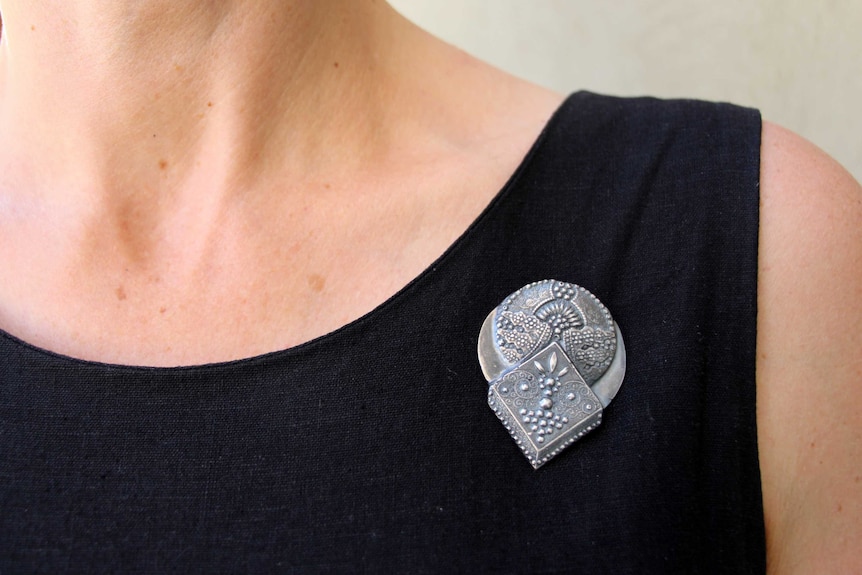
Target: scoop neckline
{"points": [[293, 351]]}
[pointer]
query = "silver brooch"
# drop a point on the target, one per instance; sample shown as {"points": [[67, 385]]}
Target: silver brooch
{"points": [[554, 359]]}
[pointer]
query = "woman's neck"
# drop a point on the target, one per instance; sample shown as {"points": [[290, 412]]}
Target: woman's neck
{"points": [[160, 87]]}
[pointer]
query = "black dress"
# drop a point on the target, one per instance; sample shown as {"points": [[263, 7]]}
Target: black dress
{"points": [[373, 448]]}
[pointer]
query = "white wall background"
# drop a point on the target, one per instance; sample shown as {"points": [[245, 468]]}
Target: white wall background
{"points": [[799, 61]]}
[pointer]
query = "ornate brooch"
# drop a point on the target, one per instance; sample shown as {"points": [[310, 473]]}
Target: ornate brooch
{"points": [[554, 359]]}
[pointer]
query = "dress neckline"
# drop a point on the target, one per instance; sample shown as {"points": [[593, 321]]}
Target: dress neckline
{"points": [[333, 336]]}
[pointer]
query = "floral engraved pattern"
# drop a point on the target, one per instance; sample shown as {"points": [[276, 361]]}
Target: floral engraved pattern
{"points": [[545, 404], [519, 384], [519, 334], [544, 421], [591, 349], [561, 316], [577, 399], [548, 311]]}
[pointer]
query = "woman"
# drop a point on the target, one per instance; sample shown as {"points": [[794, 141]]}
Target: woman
{"points": [[189, 184]]}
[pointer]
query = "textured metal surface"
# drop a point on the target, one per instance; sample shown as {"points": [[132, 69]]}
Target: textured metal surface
{"points": [[554, 359]]}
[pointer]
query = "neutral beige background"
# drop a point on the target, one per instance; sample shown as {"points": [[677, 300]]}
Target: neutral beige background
{"points": [[799, 61]]}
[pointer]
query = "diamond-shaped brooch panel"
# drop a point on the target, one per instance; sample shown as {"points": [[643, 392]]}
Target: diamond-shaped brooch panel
{"points": [[554, 359], [545, 404]]}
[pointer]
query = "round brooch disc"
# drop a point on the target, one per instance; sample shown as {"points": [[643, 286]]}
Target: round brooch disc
{"points": [[554, 359]]}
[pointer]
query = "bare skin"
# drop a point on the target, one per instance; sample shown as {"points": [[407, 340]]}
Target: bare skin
{"points": [[292, 168], [289, 168], [809, 364]]}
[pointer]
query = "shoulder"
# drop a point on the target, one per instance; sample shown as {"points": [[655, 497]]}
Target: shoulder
{"points": [[809, 361]]}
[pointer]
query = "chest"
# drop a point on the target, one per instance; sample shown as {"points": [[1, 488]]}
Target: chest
{"points": [[255, 281]]}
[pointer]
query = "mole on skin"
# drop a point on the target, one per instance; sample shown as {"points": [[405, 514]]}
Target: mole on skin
{"points": [[316, 282]]}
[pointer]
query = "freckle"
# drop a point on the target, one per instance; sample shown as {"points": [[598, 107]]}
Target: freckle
{"points": [[121, 293], [335, 64], [327, 186], [316, 282], [163, 164], [209, 104], [812, 444], [163, 309], [33, 28], [178, 68], [840, 508]]}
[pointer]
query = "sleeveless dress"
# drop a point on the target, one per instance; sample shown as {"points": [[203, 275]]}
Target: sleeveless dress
{"points": [[373, 449]]}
